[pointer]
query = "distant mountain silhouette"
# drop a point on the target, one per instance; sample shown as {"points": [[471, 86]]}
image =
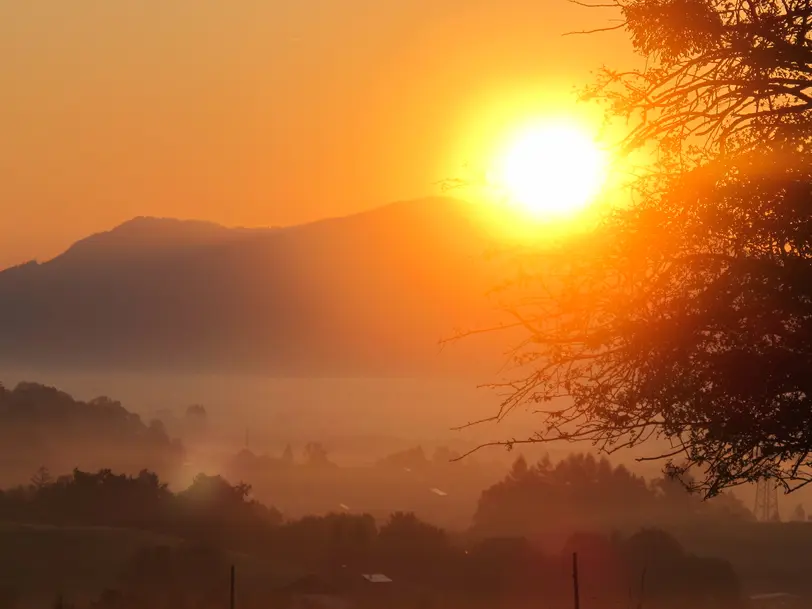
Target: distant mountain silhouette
{"points": [[150, 237], [369, 295]]}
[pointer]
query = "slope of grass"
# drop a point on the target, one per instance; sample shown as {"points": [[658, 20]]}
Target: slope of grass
{"points": [[39, 562]]}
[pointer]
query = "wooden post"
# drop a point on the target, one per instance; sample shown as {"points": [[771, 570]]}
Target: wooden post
{"points": [[231, 605], [642, 588], [575, 589]]}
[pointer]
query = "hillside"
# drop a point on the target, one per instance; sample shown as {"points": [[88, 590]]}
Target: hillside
{"points": [[363, 295], [40, 562], [41, 426]]}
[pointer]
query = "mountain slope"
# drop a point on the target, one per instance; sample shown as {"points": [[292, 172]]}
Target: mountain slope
{"points": [[369, 294]]}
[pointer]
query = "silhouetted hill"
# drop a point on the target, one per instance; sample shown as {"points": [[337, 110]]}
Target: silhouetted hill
{"points": [[42, 426], [368, 294], [145, 237]]}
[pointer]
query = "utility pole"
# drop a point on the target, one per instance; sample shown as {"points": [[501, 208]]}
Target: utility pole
{"points": [[642, 588], [231, 604], [575, 588]]}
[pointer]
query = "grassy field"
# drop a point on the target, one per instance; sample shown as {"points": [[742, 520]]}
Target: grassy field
{"points": [[41, 562]]}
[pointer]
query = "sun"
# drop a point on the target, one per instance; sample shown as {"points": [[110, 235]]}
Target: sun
{"points": [[551, 171]]}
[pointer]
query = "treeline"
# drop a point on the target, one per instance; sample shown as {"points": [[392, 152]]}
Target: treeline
{"points": [[582, 492], [40, 424], [315, 454], [210, 510], [433, 567], [402, 481], [579, 492]]}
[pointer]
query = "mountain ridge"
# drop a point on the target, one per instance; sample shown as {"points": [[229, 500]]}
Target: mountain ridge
{"points": [[368, 294], [139, 225]]}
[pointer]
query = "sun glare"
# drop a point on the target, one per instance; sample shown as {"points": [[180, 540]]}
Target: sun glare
{"points": [[551, 171]]}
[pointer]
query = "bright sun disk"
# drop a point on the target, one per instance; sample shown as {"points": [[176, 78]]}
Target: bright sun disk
{"points": [[551, 171]]}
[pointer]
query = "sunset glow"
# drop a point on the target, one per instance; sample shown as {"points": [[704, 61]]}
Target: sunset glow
{"points": [[552, 171]]}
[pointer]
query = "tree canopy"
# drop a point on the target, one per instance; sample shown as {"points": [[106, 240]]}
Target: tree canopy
{"points": [[582, 493], [686, 314], [41, 425]]}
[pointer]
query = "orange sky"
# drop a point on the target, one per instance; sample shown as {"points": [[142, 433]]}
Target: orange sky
{"points": [[262, 112]]}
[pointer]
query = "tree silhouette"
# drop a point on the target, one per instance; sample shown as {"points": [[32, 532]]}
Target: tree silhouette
{"points": [[196, 419], [585, 493], [287, 455], [41, 478], [316, 455], [412, 547], [519, 469], [686, 314], [443, 455], [412, 458]]}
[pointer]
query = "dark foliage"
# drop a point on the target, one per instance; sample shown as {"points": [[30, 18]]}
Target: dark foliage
{"points": [[41, 426], [686, 316], [209, 511], [584, 493]]}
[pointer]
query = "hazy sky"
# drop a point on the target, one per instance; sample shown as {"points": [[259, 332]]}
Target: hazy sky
{"points": [[258, 112]]}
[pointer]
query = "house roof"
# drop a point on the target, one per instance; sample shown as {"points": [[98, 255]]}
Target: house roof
{"points": [[376, 578], [773, 596]]}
